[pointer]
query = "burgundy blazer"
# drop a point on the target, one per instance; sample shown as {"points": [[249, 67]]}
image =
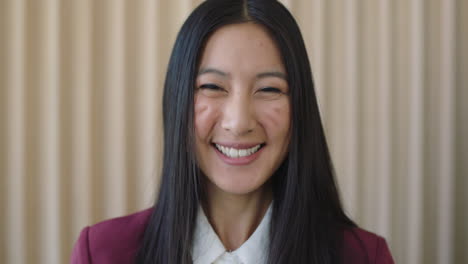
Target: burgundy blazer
{"points": [[117, 240]]}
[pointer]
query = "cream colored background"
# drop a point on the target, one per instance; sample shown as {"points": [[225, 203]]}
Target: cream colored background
{"points": [[80, 116]]}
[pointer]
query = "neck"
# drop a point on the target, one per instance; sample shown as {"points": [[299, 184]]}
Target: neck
{"points": [[235, 217]]}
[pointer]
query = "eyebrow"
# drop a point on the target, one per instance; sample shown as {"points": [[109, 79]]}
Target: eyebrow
{"points": [[261, 75], [277, 74], [212, 70]]}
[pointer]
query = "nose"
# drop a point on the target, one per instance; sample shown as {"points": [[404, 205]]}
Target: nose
{"points": [[238, 116]]}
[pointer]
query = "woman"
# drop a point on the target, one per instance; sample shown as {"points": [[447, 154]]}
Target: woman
{"points": [[247, 176]]}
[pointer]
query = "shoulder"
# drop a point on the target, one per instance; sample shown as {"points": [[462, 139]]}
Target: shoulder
{"points": [[111, 241], [362, 246]]}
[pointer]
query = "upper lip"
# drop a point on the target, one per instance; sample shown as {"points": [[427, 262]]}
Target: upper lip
{"points": [[237, 145]]}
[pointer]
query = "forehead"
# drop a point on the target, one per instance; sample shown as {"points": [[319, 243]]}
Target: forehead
{"points": [[242, 48]]}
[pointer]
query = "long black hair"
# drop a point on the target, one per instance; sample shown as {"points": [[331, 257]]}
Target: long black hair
{"points": [[307, 218]]}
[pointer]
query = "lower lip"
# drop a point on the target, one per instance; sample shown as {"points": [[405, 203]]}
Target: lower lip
{"points": [[239, 161]]}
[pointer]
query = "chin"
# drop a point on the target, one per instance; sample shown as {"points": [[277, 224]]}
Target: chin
{"points": [[235, 185]]}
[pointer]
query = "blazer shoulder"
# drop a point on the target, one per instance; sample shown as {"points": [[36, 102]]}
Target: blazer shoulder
{"points": [[111, 241], [121, 227], [363, 246]]}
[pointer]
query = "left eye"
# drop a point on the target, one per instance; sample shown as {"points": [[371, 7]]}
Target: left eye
{"points": [[270, 90]]}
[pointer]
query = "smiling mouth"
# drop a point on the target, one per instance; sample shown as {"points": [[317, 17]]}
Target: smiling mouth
{"points": [[238, 153]]}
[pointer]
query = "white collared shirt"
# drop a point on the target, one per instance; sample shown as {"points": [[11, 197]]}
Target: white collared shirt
{"points": [[207, 247]]}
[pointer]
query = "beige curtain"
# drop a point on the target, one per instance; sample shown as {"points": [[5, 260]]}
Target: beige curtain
{"points": [[80, 116]]}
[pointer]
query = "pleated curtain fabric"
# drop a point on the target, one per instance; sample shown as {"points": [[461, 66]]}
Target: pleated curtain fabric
{"points": [[81, 132]]}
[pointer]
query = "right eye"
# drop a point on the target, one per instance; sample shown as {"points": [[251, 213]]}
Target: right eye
{"points": [[210, 86], [212, 90]]}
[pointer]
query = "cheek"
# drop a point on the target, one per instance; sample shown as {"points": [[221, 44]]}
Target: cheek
{"points": [[205, 116], [275, 116]]}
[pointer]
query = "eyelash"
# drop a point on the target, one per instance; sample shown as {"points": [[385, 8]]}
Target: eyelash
{"points": [[270, 90]]}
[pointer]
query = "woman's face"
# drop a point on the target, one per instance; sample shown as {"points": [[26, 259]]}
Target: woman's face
{"points": [[242, 109]]}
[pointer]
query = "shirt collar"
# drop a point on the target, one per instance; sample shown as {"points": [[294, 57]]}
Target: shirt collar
{"points": [[207, 246]]}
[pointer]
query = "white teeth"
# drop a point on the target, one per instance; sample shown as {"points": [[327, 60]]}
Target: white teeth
{"points": [[237, 153], [233, 153], [242, 152]]}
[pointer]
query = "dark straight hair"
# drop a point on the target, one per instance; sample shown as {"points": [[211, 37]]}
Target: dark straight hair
{"points": [[308, 219]]}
